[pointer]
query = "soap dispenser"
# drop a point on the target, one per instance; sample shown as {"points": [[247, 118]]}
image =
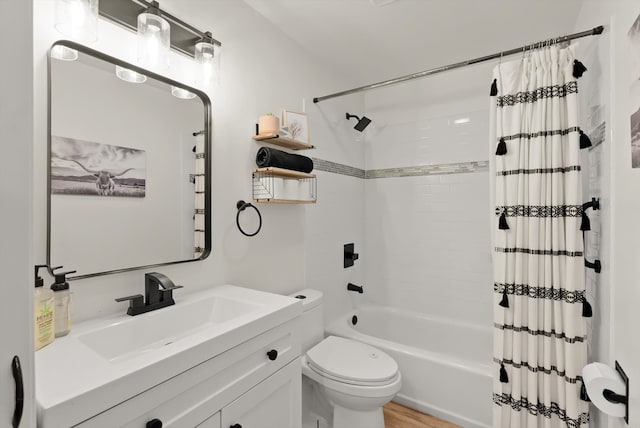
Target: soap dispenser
{"points": [[62, 298], [43, 311]]}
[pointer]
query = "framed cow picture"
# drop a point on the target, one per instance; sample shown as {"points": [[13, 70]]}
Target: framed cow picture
{"points": [[81, 167]]}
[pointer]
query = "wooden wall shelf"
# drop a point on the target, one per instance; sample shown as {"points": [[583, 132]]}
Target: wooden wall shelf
{"points": [[283, 186], [284, 201], [285, 142], [281, 172]]}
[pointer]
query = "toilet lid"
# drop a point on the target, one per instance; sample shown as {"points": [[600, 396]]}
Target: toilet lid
{"points": [[351, 360]]}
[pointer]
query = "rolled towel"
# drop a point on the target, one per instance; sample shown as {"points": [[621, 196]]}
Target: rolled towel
{"points": [[277, 158]]}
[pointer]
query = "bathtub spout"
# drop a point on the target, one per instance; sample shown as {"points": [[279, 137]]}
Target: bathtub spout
{"points": [[353, 287]]}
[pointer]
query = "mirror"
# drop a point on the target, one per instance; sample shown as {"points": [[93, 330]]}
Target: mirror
{"points": [[129, 166]]}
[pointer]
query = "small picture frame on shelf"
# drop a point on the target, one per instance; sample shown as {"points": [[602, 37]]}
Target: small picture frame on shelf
{"points": [[295, 125]]}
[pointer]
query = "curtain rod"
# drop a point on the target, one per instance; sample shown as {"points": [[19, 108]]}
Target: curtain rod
{"points": [[592, 32]]}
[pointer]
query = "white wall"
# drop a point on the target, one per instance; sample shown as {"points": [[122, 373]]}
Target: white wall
{"points": [[594, 114], [261, 71], [620, 254], [427, 237], [337, 217]]}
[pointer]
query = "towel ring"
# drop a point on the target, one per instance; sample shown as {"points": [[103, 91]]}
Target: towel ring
{"points": [[241, 206]]}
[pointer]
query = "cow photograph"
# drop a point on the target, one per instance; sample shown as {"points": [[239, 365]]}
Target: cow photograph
{"points": [[81, 167]]}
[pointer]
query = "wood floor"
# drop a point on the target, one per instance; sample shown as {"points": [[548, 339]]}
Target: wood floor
{"points": [[399, 416]]}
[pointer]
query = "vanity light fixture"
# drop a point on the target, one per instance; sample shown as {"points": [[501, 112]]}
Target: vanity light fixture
{"points": [[207, 55], [64, 53], [182, 37], [182, 93], [153, 38], [77, 19], [129, 75]]}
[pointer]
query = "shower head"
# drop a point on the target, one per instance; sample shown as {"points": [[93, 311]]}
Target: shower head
{"points": [[362, 123]]}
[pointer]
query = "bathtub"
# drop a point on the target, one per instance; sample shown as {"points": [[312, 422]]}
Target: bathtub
{"points": [[445, 364]]}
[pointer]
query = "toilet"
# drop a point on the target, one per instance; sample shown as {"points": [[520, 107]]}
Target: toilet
{"points": [[354, 380]]}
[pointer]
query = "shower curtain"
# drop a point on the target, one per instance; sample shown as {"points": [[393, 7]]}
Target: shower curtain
{"points": [[539, 329]]}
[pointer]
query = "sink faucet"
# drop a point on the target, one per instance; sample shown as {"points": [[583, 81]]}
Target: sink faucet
{"points": [[157, 294]]}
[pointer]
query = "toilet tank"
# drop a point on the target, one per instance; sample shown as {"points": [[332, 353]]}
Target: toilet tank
{"points": [[312, 319]]}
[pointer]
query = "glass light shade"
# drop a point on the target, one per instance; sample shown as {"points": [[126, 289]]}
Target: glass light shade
{"points": [[64, 53], [153, 41], [182, 93], [77, 19], [207, 55], [130, 75]]}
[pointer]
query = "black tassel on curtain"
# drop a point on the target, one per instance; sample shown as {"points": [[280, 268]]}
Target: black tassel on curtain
{"points": [[578, 69], [505, 298], [494, 88], [501, 150], [585, 225], [585, 142], [587, 311], [502, 221], [504, 378]]}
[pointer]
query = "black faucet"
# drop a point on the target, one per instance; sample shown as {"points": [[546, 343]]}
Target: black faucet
{"points": [[157, 293], [353, 287]]}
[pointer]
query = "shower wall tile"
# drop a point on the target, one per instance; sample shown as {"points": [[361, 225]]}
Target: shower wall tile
{"points": [[452, 138], [427, 214], [427, 245]]}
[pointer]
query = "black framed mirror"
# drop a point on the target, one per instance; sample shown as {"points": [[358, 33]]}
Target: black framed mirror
{"points": [[129, 166]]}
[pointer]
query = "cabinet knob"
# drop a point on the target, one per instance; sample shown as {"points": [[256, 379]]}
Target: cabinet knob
{"points": [[235, 426], [273, 354], [154, 423]]}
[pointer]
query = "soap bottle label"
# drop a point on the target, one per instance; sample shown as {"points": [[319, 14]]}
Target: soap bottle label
{"points": [[44, 333]]}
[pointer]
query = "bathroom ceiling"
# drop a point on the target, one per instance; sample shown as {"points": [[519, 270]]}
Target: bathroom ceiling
{"points": [[373, 40]]}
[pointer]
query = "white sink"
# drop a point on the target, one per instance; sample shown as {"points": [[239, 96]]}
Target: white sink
{"points": [[134, 336], [106, 361]]}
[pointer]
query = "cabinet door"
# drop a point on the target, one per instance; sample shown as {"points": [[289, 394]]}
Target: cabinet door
{"points": [[16, 202], [273, 403], [212, 422]]}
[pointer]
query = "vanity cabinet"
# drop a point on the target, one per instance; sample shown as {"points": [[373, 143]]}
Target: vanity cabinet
{"points": [[212, 422], [274, 403], [254, 384]]}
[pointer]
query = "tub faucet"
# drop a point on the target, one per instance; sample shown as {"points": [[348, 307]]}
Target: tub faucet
{"points": [[158, 290], [353, 287]]}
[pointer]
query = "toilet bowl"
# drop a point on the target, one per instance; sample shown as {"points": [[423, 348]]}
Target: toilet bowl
{"points": [[354, 378], [357, 380]]}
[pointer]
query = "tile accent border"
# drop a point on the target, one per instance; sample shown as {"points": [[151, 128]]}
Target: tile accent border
{"points": [[419, 170], [409, 171], [337, 168]]}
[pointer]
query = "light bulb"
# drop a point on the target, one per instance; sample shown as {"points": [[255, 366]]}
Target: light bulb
{"points": [[64, 53], [153, 41], [182, 93], [77, 19], [207, 55], [129, 75]]}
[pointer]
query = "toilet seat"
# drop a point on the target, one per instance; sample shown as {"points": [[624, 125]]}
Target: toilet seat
{"points": [[386, 391], [351, 362]]}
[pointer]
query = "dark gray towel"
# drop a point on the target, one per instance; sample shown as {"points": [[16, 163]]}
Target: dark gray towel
{"points": [[273, 157]]}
